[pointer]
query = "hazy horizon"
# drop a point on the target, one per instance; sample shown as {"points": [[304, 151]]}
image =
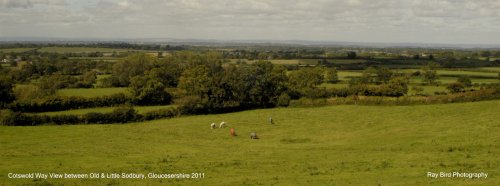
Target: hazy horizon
{"points": [[359, 21]]}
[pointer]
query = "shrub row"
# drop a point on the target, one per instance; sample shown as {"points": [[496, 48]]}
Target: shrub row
{"points": [[361, 90], [119, 115], [478, 95], [66, 103]]}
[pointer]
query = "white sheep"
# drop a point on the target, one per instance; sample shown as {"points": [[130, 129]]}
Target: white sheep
{"points": [[213, 126], [222, 124], [253, 135]]}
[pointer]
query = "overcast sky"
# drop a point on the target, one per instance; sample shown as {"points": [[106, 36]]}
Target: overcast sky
{"points": [[418, 21]]}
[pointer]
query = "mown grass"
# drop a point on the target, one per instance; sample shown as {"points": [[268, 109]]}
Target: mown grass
{"points": [[335, 145], [91, 92]]}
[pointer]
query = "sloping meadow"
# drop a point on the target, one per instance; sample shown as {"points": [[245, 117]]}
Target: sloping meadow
{"points": [[346, 144]]}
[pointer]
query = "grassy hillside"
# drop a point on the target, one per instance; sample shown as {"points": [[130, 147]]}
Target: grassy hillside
{"points": [[336, 145]]}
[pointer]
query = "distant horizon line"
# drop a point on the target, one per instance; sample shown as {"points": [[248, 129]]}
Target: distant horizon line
{"points": [[249, 41]]}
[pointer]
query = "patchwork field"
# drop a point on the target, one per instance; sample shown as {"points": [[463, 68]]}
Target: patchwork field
{"points": [[385, 145], [8, 50], [80, 49]]}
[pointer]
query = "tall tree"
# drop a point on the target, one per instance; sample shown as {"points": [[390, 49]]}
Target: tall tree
{"points": [[306, 78], [195, 81], [384, 75], [6, 93], [133, 65], [465, 80], [331, 75], [264, 83], [351, 55], [148, 90], [429, 73]]}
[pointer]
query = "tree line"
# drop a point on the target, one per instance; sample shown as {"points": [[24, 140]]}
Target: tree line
{"points": [[200, 83]]}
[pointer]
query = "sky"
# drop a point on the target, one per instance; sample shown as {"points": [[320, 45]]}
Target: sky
{"points": [[385, 21]]}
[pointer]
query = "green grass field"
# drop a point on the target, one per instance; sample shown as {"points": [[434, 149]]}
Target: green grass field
{"points": [[483, 77], [467, 73], [489, 69], [335, 145], [15, 50], [139, 109], [91, 92], [428, 89], [446, 80], [347, 61], [80, 49], [347, 75]]}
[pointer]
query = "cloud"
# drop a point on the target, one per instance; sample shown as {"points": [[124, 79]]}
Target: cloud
{"points": [[448, 21], [29, 3], [15, 4]]}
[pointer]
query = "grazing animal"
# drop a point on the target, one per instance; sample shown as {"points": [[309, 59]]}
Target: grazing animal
{"points": [[233, 133], [253, 135], [222, 124], [213, 126], [271, 120]]}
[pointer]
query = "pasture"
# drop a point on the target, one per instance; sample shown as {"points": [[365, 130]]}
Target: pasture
{"points": [[474, 73], [446, 76], [489, 69], [346, 75], [15, 50], [335, 145]]}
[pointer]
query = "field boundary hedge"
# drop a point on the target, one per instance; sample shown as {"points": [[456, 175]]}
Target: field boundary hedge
{"points": [[478, 95], [119, 115], [66, 103], [125, 114]]}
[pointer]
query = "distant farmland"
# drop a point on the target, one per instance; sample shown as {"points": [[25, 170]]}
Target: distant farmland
{"points": [[81, 50]]}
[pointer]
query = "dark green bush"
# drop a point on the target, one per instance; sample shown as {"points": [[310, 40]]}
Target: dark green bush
{"points": [[192, 105], [66, 103], [284, 100], [162, 113]]}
